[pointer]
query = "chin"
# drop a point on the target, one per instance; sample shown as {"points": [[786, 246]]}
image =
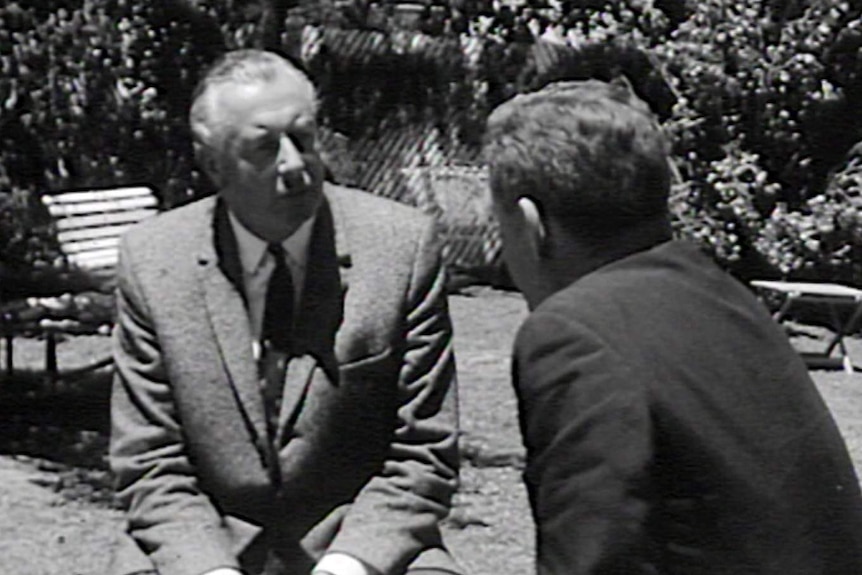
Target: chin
{"points": [[290, 194], [299, 205]]}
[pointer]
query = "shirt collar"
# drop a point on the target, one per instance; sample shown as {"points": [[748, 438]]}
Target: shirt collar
{"points": [[252, 249]]}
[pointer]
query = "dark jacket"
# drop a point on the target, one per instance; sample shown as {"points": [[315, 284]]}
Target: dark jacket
{"points": [[671, 429]]}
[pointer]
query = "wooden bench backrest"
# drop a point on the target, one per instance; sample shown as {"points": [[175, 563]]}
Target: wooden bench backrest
{"points": [[89, 224]]}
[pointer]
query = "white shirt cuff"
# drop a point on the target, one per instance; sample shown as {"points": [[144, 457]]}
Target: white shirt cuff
{"points": [[340, 564], [224, 571]]}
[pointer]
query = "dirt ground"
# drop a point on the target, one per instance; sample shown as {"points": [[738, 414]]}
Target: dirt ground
{"points": [[55, 516]]}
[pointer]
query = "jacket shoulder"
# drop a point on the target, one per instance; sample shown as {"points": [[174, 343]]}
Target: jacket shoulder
{"points": [[362, 205], [174, 227]]}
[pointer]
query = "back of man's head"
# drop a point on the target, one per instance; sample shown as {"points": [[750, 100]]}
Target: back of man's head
{"points": [[589, 153]]}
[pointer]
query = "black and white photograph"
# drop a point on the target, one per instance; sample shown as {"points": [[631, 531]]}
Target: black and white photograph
{"points": [[439, 287]]}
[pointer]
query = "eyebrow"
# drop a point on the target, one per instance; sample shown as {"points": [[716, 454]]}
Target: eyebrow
{"points": [[301, 122]]}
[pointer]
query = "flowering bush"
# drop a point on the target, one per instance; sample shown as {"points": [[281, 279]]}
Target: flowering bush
{"points": [[824, 239], [771, 96], [763, 100]]}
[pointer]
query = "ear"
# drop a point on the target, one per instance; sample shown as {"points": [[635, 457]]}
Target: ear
{"points": [[623, 82], [207, 162], [534, 225]]}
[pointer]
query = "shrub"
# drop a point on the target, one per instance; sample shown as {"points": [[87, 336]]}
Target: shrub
{"points": [[763, 100], [89, 100], [772, 96]]}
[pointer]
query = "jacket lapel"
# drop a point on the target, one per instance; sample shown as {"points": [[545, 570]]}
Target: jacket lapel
{"points": [[322, 306], [221, 279], [319, 316]]}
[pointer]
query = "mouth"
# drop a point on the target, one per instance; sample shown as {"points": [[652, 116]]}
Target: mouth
{"points": [[291, 192], [294, 187]]}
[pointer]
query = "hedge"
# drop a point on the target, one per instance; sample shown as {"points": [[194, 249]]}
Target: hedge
{"points": [[763, 101]]}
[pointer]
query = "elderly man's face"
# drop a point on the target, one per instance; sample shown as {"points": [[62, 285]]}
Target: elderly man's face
{"points": [[264, 156]]}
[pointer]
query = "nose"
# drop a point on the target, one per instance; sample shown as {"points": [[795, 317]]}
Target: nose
{"points": [[290, 163]]}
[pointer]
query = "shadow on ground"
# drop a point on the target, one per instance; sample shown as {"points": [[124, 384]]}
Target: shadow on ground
{"points": [[63, 428]]}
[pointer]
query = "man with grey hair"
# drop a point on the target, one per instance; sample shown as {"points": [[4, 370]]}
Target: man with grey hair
{"points": [[284, 399], [669, 425]]}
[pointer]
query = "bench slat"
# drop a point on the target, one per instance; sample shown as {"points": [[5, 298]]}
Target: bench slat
{"points": [[90, 244], [106, 206], [89, 223], [83, 234], [95, 259], [128, 217], [97, 195]]}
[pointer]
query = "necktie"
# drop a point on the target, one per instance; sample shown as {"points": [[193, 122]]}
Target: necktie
{"points": [[276, 334], [278, 309]]}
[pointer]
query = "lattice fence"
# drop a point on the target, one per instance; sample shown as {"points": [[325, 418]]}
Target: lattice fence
{"points": [[410, 165], [418, 160]]}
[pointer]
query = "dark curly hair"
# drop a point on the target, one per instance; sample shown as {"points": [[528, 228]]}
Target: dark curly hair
{"points": [[590, 153]]}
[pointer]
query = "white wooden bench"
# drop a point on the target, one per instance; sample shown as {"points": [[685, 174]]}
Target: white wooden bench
{"points": [[89, 225]]}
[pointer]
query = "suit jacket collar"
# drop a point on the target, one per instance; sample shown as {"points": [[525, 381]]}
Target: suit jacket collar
{"points": [[224, 241], [321, 310], [219, 241]]}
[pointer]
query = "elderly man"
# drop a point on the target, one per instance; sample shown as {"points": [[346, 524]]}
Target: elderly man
{"points": [[669, 426], [284, 398]]}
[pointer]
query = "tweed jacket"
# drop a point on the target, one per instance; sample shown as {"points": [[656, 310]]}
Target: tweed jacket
{"points": [[364, 461], [671, 429]]}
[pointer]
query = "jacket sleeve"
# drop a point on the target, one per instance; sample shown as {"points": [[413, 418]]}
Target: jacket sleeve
{"points": [[169, 518], [587, 430], [396, 515]]}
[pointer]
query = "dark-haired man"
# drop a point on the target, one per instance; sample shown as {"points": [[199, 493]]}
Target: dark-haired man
{"points": [[284, 398], [669, 425]]}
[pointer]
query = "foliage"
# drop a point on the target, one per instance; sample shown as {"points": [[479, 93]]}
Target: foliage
{"points": [[825, 238], [77, 112], [771, 95], [24, 236], [762, 99], [725, 209], [90, 99]]}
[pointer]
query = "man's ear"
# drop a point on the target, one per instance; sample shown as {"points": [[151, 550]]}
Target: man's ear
{"points": [[207, 162], [537, 233]]}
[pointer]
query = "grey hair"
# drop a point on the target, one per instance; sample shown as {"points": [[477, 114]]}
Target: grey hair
{"points": [[237, 67]]}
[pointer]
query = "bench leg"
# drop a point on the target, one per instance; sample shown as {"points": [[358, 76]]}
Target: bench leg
{"points": [[778, 316], [840, 331], [838, 338], [51, 359], [10, 356]]}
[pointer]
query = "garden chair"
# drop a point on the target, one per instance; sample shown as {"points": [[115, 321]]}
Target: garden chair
{"points": [[842, 304]]}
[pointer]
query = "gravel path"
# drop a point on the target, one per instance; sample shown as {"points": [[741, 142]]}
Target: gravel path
{"points": [[52, 523]]}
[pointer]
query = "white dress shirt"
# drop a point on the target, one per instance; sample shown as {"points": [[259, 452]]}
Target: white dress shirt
{"points": [[257, 266]]}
